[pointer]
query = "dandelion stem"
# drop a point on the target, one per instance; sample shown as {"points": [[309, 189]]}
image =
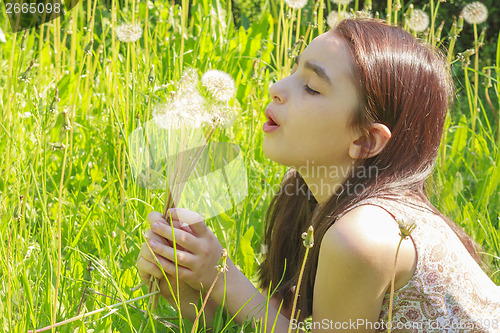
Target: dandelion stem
{"points": [[392, 286]]}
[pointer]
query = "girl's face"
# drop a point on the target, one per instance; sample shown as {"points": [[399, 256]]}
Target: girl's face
{"points": [[313, 106]]}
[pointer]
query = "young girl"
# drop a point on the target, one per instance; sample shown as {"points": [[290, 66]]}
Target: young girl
{"points": [[359, 123]]}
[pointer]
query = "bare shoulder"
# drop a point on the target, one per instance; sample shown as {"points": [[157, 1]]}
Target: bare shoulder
{"points": [[369, 235]]}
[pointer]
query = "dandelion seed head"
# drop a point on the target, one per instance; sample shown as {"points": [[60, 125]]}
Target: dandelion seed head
{"points": [[181, 111], [475, 13], [363, 14], [334, 17], [189, 81], [220, 84], [128, 32], [221, 115], [341, 2], [296, 4], [419, 20]]}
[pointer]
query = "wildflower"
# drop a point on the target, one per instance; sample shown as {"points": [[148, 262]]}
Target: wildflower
{"points": [[341, 2], [333, 18], [219, 84], [475, 13], [296, 4], [419, 21], [129, 32], [406, 226]]}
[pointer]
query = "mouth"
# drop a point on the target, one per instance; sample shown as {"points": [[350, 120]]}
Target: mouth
{"points": [[271, 119], [271, 124]]}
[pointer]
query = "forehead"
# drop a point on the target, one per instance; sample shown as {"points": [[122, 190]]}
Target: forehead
{"points": [[331, 52]]}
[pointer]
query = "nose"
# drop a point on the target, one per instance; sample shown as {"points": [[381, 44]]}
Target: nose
{"points": [[277, 93]]}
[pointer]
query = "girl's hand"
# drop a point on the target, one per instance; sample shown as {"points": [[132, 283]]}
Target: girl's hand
{"points": [[146, 263], [198, 251]]}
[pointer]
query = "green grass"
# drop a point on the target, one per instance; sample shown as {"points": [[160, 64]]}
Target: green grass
{"points": [[73, 240]]}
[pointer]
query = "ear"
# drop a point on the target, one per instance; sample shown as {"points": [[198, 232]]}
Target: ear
{"points": [[372, 145]]}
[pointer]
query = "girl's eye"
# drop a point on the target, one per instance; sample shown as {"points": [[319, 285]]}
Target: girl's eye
{"points": [[310, 91]]}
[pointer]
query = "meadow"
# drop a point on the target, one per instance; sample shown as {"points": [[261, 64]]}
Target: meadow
{"points": [[72, 90]]}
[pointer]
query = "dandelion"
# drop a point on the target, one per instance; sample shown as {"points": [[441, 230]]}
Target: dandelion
{"points": [[182, 111], [363, 14], [296, 4], [221, 115], [219, 84], [128, 32], [419, 21], [341, 2], [333, 18], [475, 13], [406, 227]]}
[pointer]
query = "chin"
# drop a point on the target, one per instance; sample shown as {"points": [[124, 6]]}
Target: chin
{"points": [[276, 154]]}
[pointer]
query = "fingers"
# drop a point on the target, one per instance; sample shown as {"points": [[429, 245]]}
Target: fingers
{"points": [[182, 238], [189, 217], [184, 258], [158, 217], [146, 269]]}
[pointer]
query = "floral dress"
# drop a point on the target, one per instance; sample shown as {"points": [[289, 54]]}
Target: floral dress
{"points": [[448, 292]]}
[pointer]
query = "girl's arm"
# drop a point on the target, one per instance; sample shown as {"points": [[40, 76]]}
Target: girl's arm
{"points": [[197, 267]]}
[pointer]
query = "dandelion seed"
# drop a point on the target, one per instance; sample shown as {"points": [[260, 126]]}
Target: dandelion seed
{"points": [[341, 2], [419, 21], [475, 13], [26, 115], [296, 4], [128, 32], [333, 18], [219, 84]]}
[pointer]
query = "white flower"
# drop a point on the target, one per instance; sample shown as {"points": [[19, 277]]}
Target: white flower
{"points": [[296, 4], [333, 18], [128, 32], [419, 20], [219, 84], [341, 2], [475, 13]]}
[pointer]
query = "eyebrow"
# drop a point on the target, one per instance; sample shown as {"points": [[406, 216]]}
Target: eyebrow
{"points": [[320, 71]]}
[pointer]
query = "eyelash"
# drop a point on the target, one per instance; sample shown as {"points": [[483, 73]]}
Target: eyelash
{"points": [[310, 91]]}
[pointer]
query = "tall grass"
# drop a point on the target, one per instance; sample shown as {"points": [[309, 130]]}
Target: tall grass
{"points": [[71, 214]]}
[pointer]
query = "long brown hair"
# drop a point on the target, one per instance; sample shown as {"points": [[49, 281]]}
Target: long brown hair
{"points": [[404, 84]]}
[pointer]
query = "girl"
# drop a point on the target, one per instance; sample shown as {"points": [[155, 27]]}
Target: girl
{"points": [[359, 123]]}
